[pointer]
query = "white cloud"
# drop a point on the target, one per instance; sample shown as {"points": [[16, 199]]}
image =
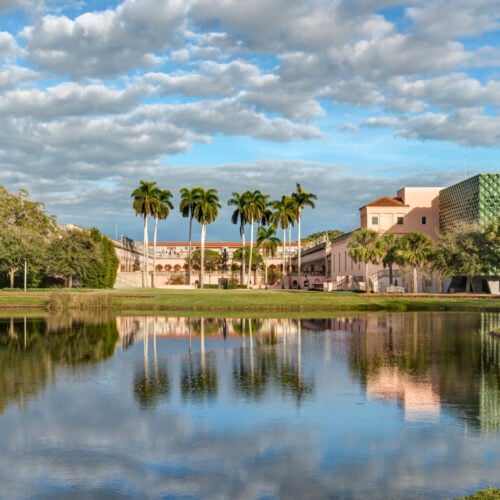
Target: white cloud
{"points": [[108, 42]]}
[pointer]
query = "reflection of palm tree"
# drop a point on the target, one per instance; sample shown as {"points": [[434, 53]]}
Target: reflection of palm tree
{"points": [[199, 373], [149, 388]]}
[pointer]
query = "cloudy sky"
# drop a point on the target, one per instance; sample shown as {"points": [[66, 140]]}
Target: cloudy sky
{"points": [[352, 99]]}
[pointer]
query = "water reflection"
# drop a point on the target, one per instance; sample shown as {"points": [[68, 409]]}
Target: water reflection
{"points": [[31, 350], [358, 406]]}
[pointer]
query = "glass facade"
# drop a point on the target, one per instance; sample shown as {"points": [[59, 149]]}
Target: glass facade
{"points": [[473, 201]]}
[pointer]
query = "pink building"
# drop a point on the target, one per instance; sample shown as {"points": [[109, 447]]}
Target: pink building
{"points": [[413, 209]]}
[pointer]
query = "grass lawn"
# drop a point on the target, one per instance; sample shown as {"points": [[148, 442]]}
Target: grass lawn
{"points": [[239, 301]]}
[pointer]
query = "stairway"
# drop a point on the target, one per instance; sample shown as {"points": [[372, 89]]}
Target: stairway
{"points": [[126, 280]]}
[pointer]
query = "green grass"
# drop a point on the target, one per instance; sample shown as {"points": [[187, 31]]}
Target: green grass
{"points": [[217, 302]]}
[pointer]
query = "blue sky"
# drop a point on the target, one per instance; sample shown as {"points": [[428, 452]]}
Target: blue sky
{"points": [[351, 99]]}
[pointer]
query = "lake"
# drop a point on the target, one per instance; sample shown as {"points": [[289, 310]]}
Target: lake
{"points": [[369, 405]]}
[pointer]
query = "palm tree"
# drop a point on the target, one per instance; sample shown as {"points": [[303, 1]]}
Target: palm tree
{"points": [[144, 204], [415, 250], [161, 210], [267, 239], [186, 206], [365, 247], [302, 199], [255, 206], [390, 244], [284, 216], [239, 201], [205, 211]]}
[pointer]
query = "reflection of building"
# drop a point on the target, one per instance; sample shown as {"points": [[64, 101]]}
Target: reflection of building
{"points": [[417, 397]]}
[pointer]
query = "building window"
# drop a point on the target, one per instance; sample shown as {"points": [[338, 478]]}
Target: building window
{"points": [[424, 221], [374, 220], [401, 220]]}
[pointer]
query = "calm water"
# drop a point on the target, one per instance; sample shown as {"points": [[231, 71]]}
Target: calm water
{"points": [[368, 406]]}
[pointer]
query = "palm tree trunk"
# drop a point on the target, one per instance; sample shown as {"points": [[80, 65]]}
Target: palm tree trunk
{"points": [[415, 281], [284, 257], [367, 277], [145, 254], [265, 271], [190, 246], [154, 251], [243, 253], [251, 251], [202, 254], [299, 245]]}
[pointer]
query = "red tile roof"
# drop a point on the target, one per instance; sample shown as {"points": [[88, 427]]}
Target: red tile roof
{"points": [[386, 201]]}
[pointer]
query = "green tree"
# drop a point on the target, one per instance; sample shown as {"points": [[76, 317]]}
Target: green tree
{"points": [[283, 216], [390, 245], [467, 251], [268, 241], [365, 247], [212, 259], [415, 250], [302, 200], [255, 208], [145, 204], [25, 231], [206, 210], [239, 216], [186, 206], [161, 210]]}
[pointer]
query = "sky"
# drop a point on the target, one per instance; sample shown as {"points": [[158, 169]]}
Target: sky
{"points": [[352, 99]]}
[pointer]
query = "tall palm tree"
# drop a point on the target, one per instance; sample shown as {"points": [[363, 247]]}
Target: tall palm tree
{"points": [[365, 247], [415, 250], [239, 215], [161, 210], [283, 216], [255, 206], [302, 200], [186, 206], [205, 211], [268, 241], [144, 203]]}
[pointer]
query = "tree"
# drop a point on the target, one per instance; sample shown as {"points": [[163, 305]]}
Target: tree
{"points": [[161, 210], [390, 245], [302, 199], [283, 216], [254, 209], [205, 211], [25, 231], [365, 247], [468, 252], [144, 204], [186, 206], [212, 259], [415, 250], [239, 215], [268, 241]]}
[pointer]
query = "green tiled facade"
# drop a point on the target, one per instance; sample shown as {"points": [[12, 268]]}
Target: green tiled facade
{"points": [[473, 201]]}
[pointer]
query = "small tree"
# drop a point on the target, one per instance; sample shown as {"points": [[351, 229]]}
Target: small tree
{"points": [[365, 247], [268, 241], [415, 250]]}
